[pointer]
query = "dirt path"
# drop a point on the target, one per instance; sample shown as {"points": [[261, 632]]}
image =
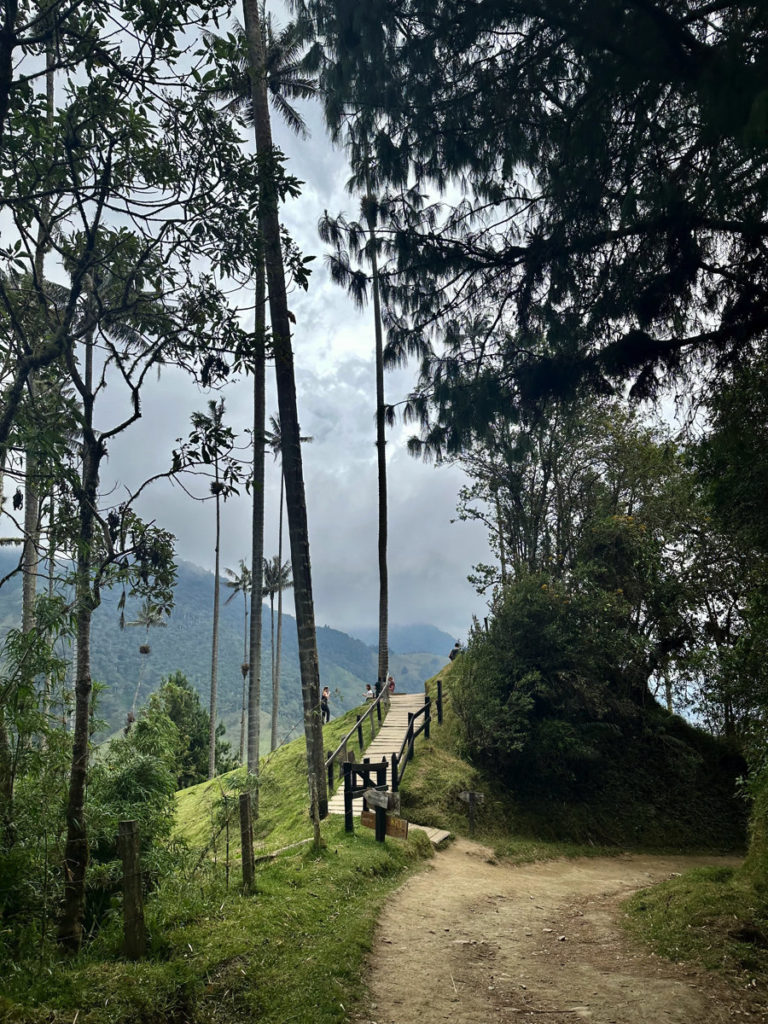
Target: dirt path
{"points": [[476, 942]]}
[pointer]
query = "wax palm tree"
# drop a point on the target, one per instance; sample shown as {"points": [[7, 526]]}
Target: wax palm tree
{"points": [[277, 578], [286, 394], [286, 81], [273, 439], [360, 241], [241, 583], [149, 616], [215, 441]]}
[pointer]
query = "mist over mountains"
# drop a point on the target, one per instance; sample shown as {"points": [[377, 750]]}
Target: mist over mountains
{"points": [[346, 663]]}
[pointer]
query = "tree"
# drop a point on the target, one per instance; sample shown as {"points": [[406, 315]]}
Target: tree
{"points": [[362, 242], [289, 420], [612, 224], [277, 578], [240, 583], [181, 703], [286, 80], [273, 440], [213, 441]]}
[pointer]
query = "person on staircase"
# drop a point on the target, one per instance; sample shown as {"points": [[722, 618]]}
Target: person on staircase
{"points": [[324, 707]]}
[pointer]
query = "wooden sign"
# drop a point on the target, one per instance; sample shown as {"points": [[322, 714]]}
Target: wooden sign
{"points": [[381, 798], [471, 797], [397, 828]]}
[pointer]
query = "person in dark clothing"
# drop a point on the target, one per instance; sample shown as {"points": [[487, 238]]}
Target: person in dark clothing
{"points": [[456, 649], [325, 710]]}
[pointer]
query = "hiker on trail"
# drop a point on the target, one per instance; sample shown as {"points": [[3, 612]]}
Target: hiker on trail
{"points": [[391, 684], [456, 649], [368, 692], [324, 708]]}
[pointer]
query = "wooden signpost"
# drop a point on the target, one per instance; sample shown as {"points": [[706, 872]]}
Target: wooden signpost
{"points": [[384, 823], [470, 797], [396, 828]]}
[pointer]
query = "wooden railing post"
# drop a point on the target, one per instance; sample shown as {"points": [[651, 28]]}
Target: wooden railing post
{"points": [[439, 701], [394, 781], [427, 716], [378, 710], [349, 825], [360, 733], [410, 736], [366, 781], [133, 900], [373, 728], [330, 769], [246, 839]]}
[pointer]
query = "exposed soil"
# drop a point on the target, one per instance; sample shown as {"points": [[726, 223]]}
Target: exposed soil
{"points": [[479, 942]]}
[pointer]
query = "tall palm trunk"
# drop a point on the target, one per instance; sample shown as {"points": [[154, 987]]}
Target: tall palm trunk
{"points": [[276, 658], [215, 638], [286, 394], [257, 529], [381, 458]]}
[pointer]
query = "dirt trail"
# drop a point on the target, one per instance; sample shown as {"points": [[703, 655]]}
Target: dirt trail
{"points": [[476, 942]]}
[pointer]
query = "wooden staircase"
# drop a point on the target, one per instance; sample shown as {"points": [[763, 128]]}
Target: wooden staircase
{"points": [[387, 741]]}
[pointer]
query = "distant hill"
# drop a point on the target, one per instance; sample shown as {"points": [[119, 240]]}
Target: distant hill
{"points": [[418, 639], [346, 663]]}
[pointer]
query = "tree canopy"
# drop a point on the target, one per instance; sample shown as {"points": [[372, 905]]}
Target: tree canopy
{"points": [[597, 183]]}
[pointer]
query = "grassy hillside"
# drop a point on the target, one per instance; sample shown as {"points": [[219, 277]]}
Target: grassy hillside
{"points": [[292, 950], [636, 804]]}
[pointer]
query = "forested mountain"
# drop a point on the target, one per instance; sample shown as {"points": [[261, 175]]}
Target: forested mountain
{"points": [[346, 663]]}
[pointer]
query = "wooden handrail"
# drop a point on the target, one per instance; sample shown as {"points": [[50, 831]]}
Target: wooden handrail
{"points": [[383, 698]]}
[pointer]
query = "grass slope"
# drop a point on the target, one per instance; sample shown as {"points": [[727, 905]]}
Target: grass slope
{"points": [[292, 950]]}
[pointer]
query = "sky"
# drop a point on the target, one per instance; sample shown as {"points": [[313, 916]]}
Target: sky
{"points": [[429, 554]]}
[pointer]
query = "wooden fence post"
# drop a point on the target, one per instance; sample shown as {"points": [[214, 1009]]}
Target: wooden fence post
{"points": [[378, 710], [330, 770], [349, 825], [246, 839], [133, 901], [360, 733], [427, 716], [394, 782], [439, 701], [410, 736], [373, 729]]}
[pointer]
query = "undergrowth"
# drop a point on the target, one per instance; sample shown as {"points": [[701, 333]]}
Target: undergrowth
{"points": [[291, 950]]}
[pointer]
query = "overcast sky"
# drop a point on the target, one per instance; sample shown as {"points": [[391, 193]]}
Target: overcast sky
{"points": [[429, 555]]}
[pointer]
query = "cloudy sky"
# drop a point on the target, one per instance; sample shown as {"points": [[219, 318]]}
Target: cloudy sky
{"points": [[429, 555]]}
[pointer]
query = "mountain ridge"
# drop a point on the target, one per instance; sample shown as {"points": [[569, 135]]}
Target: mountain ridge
{"points": [[346, 662]]}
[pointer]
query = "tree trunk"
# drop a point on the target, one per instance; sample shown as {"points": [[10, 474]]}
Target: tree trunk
{"points": [[289, 420], [381, 458], [215, 640], [70, 932], [276, 662], [257, 531]]}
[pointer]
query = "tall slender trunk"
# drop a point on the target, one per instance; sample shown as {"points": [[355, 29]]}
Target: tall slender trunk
{"points": [[245, 668], [257, 529], [70, 932], [276, 661], [381, 458], [289, 420], [215, 638]]}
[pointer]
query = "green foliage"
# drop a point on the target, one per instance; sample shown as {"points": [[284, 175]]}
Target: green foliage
{"points": [[181, 703], [547, 703], [215, 952]]}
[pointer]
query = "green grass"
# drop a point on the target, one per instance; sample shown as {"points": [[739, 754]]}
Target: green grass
{"points": [[290, 951], [713, 916]]}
